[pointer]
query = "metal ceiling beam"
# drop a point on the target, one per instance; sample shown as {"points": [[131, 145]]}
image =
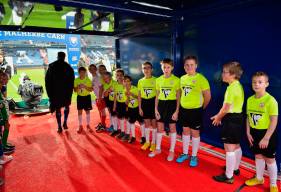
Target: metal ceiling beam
{"points": [[105, 6]]}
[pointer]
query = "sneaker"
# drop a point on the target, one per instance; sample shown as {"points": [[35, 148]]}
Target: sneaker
{"points": [[114, 133], [121, 134], [222, 178], [110, 129], [145, 146], [132, 140], [143, 140], [171, 156], [254, 181], [89, 128], [65, 126], [193, 161], [59, 130], [7, 147], [126, 137], [273, 188], [1, 181], [80, 129], [98, 126], [154, 153], [235, 172], [10, 145], [8, 151], [101, 129], [183, 157], [6, 159], [152, 147]]}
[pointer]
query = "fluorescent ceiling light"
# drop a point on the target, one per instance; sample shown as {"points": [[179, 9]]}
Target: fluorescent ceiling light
{"points": [[151, 5]]}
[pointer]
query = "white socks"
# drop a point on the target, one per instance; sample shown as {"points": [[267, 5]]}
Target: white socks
{"points": [[230, 163], [80, 120], [122, 125], [158, 141], [133, 128], [142, 130], [260, 166], [147, 135], [128, 128], [154, 132], [185, 143], [88, 118], [195, 145], [272, 171], [173, 137], [238, 155], [115, 122]]}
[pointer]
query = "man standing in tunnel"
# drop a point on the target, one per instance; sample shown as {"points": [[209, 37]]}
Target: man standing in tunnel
{"points": [[59, 81]]}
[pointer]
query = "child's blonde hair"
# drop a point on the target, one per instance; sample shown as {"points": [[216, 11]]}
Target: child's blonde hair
{"points": [[234, 68]]}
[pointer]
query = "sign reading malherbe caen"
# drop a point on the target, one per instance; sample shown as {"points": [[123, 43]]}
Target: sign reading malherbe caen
{"points": [[22, 34]]}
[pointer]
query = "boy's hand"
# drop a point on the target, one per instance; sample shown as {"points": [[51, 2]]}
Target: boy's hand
{"points": [[175, 116], [216, 120], [250, 139], [157, 115], [141, 112], [128, 93], [264, 143]]}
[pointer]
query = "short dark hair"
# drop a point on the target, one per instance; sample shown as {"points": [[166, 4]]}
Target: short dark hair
{"points": [[234, 68], [119, 70], [191, 57], [107, 74], [81, 69], [102, 65], [147, 63], [128, 77], [260, 74], [167, 61], [61, 55], [92, 65]]}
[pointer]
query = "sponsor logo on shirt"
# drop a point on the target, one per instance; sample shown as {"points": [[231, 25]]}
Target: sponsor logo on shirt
{"points": [[147, 92], [255, 118], [132, 102], [262, 105], [119, 95], [186, 90], [166, 92], [111, 93]]}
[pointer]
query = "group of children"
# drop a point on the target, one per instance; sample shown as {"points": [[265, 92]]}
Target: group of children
{"points": [[169, 99]]}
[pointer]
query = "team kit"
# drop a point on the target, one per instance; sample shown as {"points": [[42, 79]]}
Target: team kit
{"points": [[168, 99]]}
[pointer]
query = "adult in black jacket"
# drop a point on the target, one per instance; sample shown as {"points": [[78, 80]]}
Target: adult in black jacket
{"points": [[59, 83]]}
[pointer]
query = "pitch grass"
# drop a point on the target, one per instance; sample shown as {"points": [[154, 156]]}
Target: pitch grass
{"points": [[37, 75]]}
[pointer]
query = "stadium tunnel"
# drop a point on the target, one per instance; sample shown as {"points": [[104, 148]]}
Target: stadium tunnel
{"points": [[215, 31]]}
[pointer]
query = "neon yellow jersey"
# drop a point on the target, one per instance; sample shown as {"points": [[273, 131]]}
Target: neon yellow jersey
{"points": [[86, 81], [133, 101], [191, 90], [234, 96], [110, 85], [119, 91], [259, 111], [167, 87], [147, 87]]}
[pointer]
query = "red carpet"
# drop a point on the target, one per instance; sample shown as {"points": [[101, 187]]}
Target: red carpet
{"points": [[45, 161]]}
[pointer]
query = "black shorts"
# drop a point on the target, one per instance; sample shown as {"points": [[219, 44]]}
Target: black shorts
{"points": [[133, 115], [191, 118], [106, 100], [110, 108], [148, 108], [121, 110], [257, 135], [166, 110], [84, 102], [232, 127]]}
